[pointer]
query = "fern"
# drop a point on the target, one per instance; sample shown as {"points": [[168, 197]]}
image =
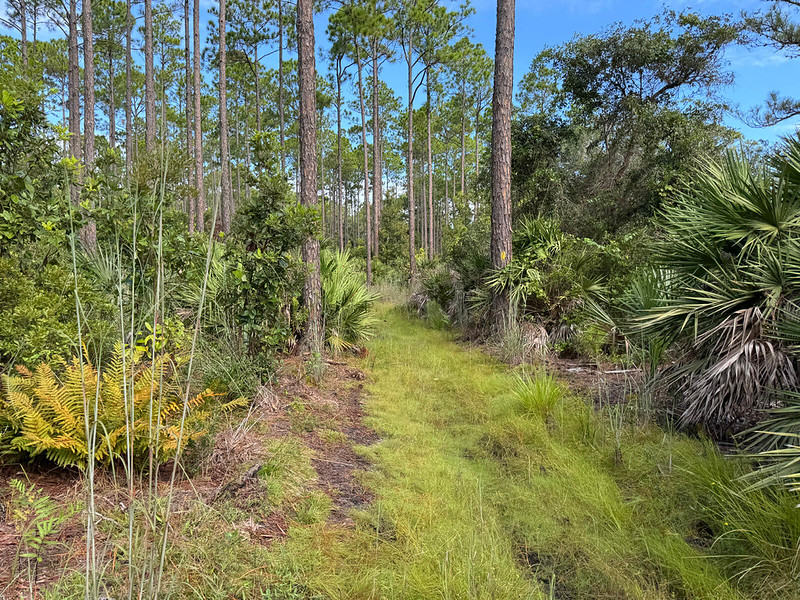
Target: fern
{"points": [[44, 414]]}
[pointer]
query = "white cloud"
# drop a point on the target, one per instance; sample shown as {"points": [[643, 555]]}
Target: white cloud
{"points": [[760, 58]]}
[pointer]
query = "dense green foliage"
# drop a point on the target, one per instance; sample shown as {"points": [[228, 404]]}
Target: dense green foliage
{"points": [[730, 298], [612, 121], [34, 204], [38, 316], [146, 284]]}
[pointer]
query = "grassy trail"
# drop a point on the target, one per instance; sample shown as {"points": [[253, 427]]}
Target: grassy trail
{"points": [[480, 496]]}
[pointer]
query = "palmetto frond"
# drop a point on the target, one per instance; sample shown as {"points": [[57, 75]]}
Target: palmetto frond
{"points": [[347, 303], [732, 245]]}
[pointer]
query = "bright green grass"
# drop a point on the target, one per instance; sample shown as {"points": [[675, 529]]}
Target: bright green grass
{"points": [[480, 498], [492, 486]]}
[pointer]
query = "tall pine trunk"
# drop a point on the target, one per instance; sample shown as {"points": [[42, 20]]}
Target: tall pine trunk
{"points": [[23, 30], [377, 176], [187, 88], [477, 154], [149, 80], [410, 165], [340, 191], [430, 166], [198, 125], [89, 230], [362, 104], [112, 102], [128, 90], [73, 105], [322, 184], [463, 137], [226, 208], [238, 157], [280, 86], [307, 79], [257, 77], [501, 150]]}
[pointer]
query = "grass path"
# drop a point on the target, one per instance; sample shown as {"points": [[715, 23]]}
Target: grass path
{"points": [[480, 497]]}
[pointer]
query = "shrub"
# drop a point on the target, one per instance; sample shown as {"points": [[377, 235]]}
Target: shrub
{"points": [[33, 203], [264, 275], [37, 313], [129, 404], [550, 279]]}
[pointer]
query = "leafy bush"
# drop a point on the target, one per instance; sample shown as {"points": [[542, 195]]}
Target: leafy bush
{"points": [[347, 303], [34, 205], [129, 404], [550, 278], [264, 274], [37, 313]]}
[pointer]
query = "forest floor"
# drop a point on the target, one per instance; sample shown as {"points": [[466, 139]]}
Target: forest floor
{"points": [[414, 473]]}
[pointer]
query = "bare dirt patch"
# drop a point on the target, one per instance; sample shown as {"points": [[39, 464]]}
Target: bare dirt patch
{"points": [[335, 422]]}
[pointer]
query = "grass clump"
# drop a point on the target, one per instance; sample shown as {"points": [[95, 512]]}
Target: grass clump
{"points": [[538, 395], [313, 509], [286, 470], [332, 436]]}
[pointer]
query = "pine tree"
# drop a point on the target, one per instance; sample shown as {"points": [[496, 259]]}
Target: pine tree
{"points": [[501, 150]]}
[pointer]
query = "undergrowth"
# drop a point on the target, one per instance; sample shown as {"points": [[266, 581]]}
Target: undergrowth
{"points": [[491, 485]]}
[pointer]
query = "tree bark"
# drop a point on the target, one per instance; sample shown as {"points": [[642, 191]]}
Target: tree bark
{"points": [[163, 106], [112, 104], [412, 259], [377, 191], [149, 80], [501, 150], [257, 77], [128, 91], [430, 166], [238, 158], [73, 103], [306, 69], [187, 59], [423, 204], [198, 126], [322, 184], [23, 30], [246, 153], [463, 137], [339, 189], [280, 85], [89, 230], [226, 200], [362, 104]]}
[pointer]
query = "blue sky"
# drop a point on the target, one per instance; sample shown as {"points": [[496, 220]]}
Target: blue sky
{"points": [[541, 23]]}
